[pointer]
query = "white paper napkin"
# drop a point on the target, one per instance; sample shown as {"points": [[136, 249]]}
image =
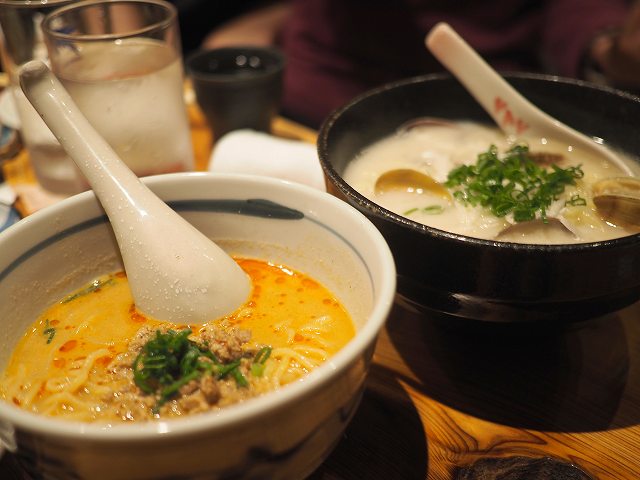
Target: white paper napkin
{"points": [[257, 153]]}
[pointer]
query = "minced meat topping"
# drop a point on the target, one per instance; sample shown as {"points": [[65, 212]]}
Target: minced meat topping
{"points": [[169, 372]]}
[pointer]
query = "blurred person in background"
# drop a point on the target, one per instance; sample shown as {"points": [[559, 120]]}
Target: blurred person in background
{"points": [[198, 17], [337, 49]]}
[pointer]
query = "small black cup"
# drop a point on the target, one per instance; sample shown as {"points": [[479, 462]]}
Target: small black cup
{"points": [[237, 87]]}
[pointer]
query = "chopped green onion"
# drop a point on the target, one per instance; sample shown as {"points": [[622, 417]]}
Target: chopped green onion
{"points": [[429, 210], [171, 360], [257, 367], [240, 379], [262, 355], [225, 370], [95, 285], [576, 201], [514, 184], [49, 331], [433, 209]]}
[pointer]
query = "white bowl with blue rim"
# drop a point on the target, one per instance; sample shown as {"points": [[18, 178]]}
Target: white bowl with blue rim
{"points": [[284, 434]]}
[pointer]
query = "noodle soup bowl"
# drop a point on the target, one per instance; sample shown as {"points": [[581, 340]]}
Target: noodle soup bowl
{"points": [[283, 434], [459, 277]]}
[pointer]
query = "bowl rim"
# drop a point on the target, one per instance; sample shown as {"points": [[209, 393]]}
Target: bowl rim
{"points": [[237, 414], [354, 197]]}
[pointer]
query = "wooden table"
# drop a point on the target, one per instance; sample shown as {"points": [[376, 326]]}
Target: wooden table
{"points": [[443, 396]]}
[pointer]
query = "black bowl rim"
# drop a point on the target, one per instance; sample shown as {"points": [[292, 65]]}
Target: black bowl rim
{"points": [[379, 211]]}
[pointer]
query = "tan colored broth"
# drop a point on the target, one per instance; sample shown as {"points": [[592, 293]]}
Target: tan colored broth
{"points": [[82, 371]]}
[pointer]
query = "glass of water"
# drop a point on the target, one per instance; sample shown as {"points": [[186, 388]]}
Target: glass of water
{"points": [[21, 41], [121, 62]]}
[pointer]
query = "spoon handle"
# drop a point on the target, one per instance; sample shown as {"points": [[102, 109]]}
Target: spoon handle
{"points": [[175, 272], [95, 158], [511, 111], [514, 114]]}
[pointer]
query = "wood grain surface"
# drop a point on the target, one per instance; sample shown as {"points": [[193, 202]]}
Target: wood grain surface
{"points": [[466, 400], [445, 395]]}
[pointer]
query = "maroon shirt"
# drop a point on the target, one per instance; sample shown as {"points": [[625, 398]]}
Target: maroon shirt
{"points": [[337, 49]]}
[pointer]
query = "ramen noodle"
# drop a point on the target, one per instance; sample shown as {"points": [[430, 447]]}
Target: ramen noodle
{"points": [[439, 149], [93, 357]]}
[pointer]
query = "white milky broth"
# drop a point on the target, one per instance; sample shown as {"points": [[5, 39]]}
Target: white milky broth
{"points": [[436, 149]]}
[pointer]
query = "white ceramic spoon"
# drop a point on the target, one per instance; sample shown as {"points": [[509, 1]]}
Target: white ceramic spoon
{"points": [[175, 272], [514, 114]]}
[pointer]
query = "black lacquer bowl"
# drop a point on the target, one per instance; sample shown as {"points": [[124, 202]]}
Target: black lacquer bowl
{"points": [[478, 279]]}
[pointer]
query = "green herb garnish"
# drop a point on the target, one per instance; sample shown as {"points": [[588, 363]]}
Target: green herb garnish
{"points": [[227, 369], [171, 360], [429, 210], [433, 209], [257, 368], [95, 285], [576, 201], [237, 375], [49, 331], [515, 184]]}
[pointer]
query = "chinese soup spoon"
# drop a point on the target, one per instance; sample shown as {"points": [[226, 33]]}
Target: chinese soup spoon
{"points": [[175, 272], [617, 199], [515, 115]]}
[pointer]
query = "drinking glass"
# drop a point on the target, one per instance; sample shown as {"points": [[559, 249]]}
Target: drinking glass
{"points": [[21, 41], [121, 62]]}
